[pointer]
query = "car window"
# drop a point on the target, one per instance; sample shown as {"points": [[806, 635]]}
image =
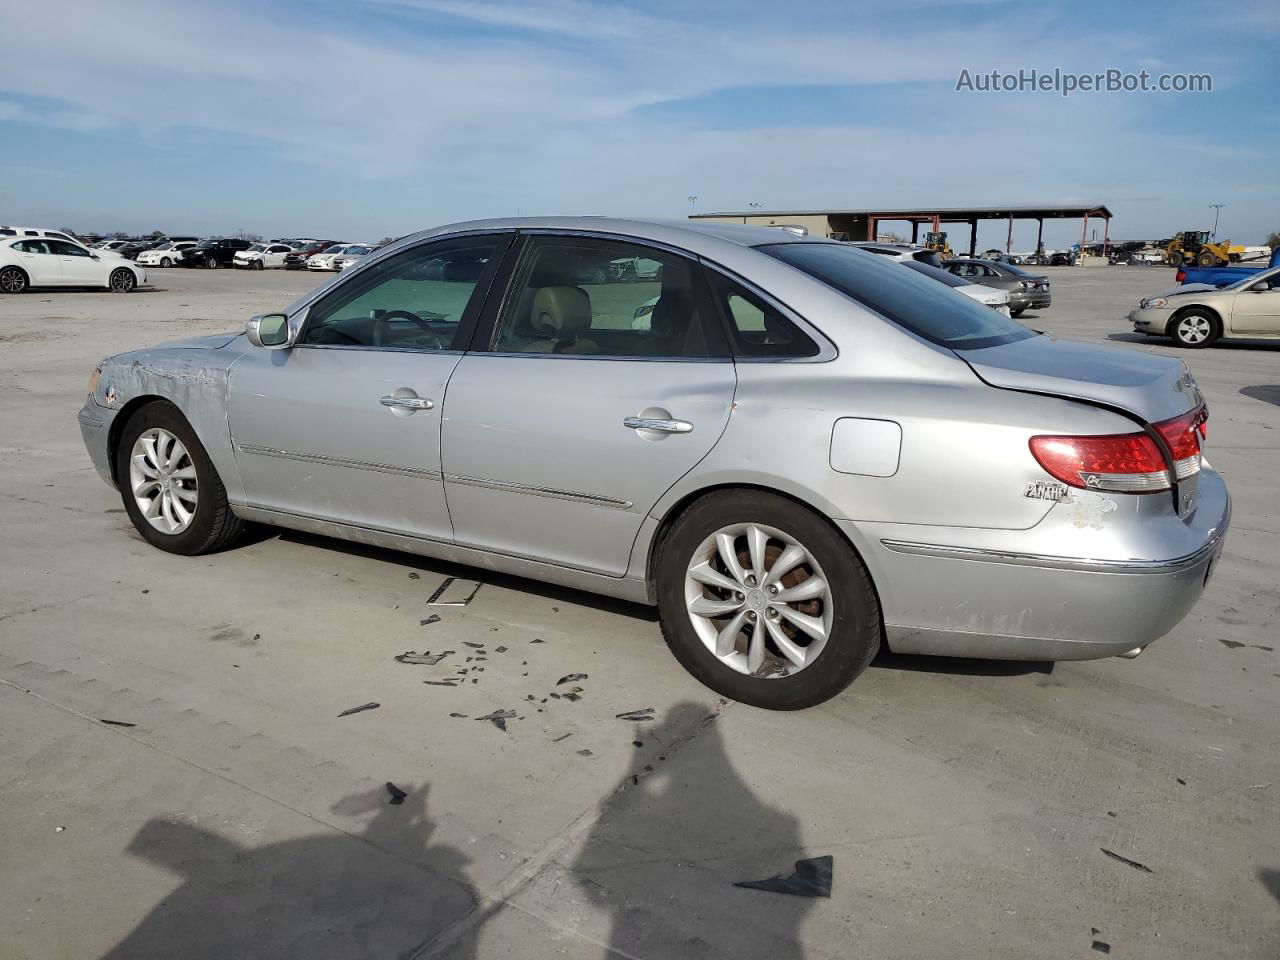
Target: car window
{"points": [[913, 302], [32, 246], [756, 328], [59, 236], [279, 248], [604, 298], [64, 249], [413, 301]]}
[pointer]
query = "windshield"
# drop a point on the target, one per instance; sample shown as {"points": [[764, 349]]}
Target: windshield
{"points": [[942, 276], [1010, 268], [167, 245], [903, 296], [358, 250], [207, 243], [257, 248]]}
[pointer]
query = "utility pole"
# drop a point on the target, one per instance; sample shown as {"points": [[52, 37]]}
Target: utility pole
{"points": [[1217, 208]]}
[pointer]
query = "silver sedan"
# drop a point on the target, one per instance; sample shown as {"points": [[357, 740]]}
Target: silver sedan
{"points": [[805, 453]]}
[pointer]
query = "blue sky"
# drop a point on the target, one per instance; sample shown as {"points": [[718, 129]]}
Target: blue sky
{"points": [[366, 118]]}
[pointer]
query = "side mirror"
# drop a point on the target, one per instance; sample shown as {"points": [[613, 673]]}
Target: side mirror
{"points": [[270, 331], [95, 256]]}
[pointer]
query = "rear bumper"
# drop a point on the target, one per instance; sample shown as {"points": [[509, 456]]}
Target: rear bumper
{"points": [[1001, 594]]}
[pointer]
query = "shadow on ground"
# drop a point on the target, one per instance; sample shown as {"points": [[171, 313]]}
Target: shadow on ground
{"points": [[886, 659], [1267, 393], [413, 561], [1271, 880], [381, 893]]}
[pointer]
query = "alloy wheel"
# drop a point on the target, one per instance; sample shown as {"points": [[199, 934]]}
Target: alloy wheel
{"points": [[1194, 329], [163, 480], [12, 280], [122, 281], [758, 600], [166, 262]]}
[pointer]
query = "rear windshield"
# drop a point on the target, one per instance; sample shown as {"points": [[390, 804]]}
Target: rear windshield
{"points": [[942, 276], [910, 300]]}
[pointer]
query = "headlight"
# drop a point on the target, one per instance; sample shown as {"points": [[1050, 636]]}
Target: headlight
{"points": [[93, 380], [1153, 302]]}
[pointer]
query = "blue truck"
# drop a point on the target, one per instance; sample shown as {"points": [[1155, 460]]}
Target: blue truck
{"points": [[1224, 276]]}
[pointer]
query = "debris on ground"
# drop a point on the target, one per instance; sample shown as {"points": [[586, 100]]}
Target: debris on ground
{"points": [[811, 878], [573, 696], [570, 678], [441, 683], [117, 723], [414, 576], [434, 599], [397, 795], [425, 658], [1231, 644], [498, 717], [360, 709], [1125, 860], [563, 736], [460, 716], [637, 715], [584, 752], [473, 646], [499, 649], [537, 640], [1101, 946], [637, 743], [434, 618]]}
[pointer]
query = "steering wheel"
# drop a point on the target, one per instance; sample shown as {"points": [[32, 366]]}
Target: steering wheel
{"points": [[422, 324]]}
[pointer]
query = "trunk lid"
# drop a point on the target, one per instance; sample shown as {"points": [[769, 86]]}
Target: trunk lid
{"points": [[1154, 388]]}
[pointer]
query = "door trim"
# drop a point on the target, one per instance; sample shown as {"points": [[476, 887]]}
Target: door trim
{"points": [[339, 461], [572, 495]]}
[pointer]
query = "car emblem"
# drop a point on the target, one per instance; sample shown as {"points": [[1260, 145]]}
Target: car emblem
{"points": [[1045, 490]]}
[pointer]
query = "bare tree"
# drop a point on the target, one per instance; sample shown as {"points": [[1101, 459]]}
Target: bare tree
{"points": [[1273, 239]]}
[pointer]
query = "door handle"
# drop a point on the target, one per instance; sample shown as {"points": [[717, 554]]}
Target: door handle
{"points": [[408, 403], [662, 426]]}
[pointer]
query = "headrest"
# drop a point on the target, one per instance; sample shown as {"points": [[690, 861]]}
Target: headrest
{"points": [[464, 270], [560, 311]]}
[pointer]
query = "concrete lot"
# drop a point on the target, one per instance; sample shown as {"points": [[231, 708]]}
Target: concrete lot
{"points": [[965, 803]]}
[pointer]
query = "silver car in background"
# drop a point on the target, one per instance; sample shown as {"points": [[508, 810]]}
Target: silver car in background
{"points": [[807, 451]]}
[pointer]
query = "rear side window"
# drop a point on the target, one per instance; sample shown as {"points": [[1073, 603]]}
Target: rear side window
{"points": [[606, 298], [914, 302], [756, 328]]}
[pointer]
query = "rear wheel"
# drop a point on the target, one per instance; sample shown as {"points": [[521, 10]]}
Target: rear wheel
{"points": [[1194, 328], [764, 602], [1017, 313], [12, 280], [170, 488]]}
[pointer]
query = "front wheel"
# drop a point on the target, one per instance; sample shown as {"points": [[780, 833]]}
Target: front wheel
{"points": [[1017, 313], [166, 262], [764, 602], [211, 262], [1194, 329], [1207, 259], [169, 486], [1175, 260], [122, 280], [259, 265]]}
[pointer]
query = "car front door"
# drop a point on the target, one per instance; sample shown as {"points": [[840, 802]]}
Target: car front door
{"points": [[345, 424], [79, 268], [273, 256], [1256, 309], [39, 261], [595, 392]]}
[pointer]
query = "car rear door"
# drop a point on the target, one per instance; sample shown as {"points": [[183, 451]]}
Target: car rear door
{"points": [[345, 425], [593, 394], [39, 261]]}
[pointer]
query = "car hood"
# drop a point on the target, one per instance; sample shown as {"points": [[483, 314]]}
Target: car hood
{"points": [[213, 341], [1186, 288], [1155, 388]]}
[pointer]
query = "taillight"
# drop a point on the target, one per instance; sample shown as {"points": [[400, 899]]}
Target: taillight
{"points": [[1124, 463], [1180, 276]]}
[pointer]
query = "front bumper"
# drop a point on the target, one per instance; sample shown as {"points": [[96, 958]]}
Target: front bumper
{"points": [[1147, 320], [1009, 594], [95, 429]]}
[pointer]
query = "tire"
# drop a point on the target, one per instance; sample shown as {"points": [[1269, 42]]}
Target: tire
{"points": [[122, 280], [1017, 313], [13, 280], [1175, 260], [1207, 259], [259, 265], [848, 607], [1194, 328], [166, 262], [211, 263], [212, 526]]}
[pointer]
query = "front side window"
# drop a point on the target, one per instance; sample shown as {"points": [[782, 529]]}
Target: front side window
{"points": [[64, 249], [605, 298], [416, 300], [913, 302]]}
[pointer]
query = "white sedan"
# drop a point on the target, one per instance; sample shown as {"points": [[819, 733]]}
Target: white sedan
{"points": [[165, 255], [324, 259], [351, 255], [262, 255], [44, 262]]}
